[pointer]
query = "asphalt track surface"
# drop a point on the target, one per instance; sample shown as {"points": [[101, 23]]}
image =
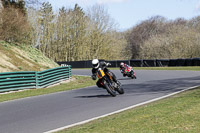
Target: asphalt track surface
{"points": [[48, 112]]}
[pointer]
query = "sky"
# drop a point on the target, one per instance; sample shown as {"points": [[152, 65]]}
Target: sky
{"points": [[129, 13]]}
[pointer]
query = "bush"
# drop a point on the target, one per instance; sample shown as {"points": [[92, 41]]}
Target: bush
{"points": [[13, 26]]}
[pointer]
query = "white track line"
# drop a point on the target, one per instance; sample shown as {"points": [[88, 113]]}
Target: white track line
{"points": [[118, 111]]}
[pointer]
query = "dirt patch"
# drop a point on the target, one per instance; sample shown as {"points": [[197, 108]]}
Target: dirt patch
{"points": [[63, 82], [6, 65], [22, 55]]}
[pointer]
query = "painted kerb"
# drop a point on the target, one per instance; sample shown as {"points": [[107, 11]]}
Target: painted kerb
{"points": [[10, 81]]}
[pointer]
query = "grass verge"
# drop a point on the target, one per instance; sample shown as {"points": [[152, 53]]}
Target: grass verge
{"points": [[79, 82], [177, 114]]}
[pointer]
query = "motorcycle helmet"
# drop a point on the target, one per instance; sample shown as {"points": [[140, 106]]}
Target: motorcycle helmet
{"points": [[95, 63], [121, 64]]}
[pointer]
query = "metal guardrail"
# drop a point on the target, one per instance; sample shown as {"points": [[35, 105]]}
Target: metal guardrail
{"points": [[10, 81]]}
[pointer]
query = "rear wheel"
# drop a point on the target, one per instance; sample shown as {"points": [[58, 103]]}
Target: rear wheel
{"points": [[132, 75]]}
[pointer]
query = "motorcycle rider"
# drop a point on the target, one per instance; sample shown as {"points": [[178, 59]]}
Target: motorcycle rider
{"points": [[123, 68], [103, 65]]}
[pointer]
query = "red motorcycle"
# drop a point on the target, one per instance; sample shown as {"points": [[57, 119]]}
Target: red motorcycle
{"points": [[129, 72]]}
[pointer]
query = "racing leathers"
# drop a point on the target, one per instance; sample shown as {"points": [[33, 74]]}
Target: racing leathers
{"points": [[124, 68]]}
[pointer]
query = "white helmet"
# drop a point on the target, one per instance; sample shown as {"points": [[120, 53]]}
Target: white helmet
{"points": [[122, 64], [95, 63]]}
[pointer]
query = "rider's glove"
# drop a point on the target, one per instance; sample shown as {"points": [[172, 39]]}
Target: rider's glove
{"points": [[108, 64], [93, 77]]}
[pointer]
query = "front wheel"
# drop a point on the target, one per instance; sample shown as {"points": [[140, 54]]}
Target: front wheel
{"points": [[120, 90], [133, 75], [110, 89]]}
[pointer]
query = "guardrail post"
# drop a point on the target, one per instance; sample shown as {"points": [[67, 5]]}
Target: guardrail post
{"points": [[63, 65], [36, 80], [70, 72]]}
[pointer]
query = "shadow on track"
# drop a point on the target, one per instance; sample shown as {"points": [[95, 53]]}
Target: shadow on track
{"points": [[95, 96], [127, 78], [161, 86], [147, 88]]}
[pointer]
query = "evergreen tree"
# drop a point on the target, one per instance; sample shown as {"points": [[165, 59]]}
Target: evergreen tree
{"points": [[46, 27]]}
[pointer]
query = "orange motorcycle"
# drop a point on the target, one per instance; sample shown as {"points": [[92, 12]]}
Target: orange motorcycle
{"points": [[109, 84]]}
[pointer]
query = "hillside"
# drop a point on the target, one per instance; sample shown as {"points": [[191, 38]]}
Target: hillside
{"points": [[22, 58]]}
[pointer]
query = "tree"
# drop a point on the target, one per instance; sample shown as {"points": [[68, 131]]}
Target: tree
{"points": [[178, 41], [102, 32], [73, 34], [46, 27], [77, 30], [17, 4], [142, 32], [14, 26]]}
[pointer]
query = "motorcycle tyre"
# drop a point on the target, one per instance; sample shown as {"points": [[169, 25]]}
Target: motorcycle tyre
{"points": [[111, 91], [120, 90], [132, 75]]}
